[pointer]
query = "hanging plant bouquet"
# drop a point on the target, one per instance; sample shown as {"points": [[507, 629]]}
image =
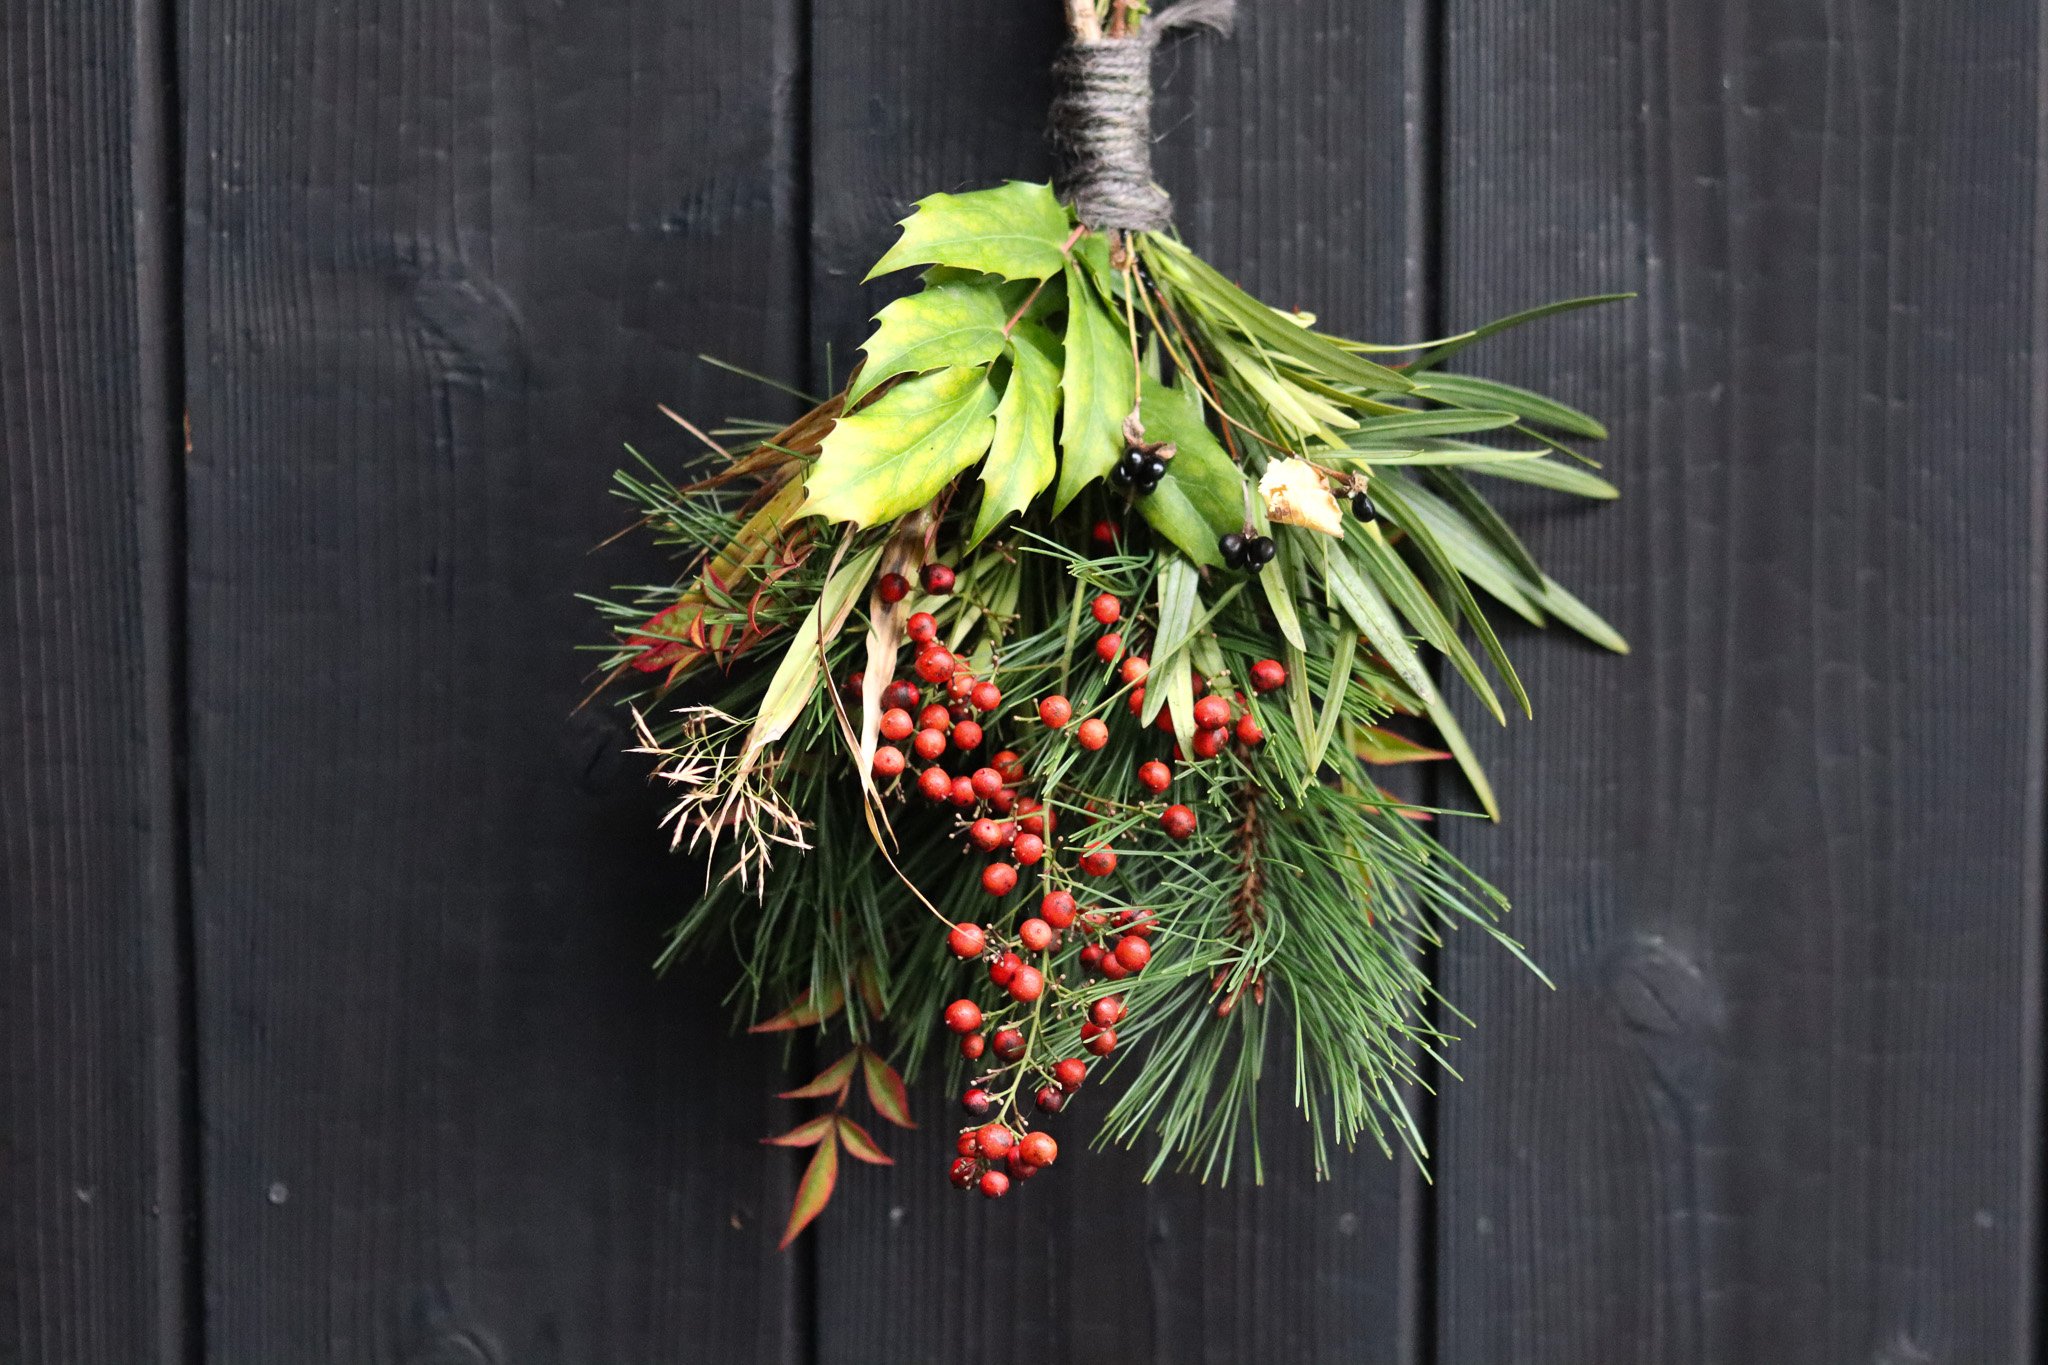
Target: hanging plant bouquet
{"points": [[1027, 694]]}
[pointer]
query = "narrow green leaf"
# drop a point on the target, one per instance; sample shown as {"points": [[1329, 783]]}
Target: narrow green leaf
{"points": [[1396, 506], [1341, 655], [1478, 558], [1014, 230], [1438, 355], [1374, 618], [1278, 582], [1021, 460], [894, 455], [796, 677], [1581, 617], [953, 325], [1406, 592], [1548, 473], [1468, 391], [1421, 457], [1097, 388], [814, 1191], [1171, 681], [1458, 491], [1439, 713], [1373, 431]]}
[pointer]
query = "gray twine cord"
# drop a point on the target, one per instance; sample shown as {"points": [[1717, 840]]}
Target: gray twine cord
{"points": [[1102, 120]]}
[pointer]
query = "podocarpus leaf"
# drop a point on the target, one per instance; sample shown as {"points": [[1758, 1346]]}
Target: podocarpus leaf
{"points": [[1097, 387], [897, 453], [1171, 683], [1021, 461], [1450, 346], [1548, 473], [1202, 495], [814, 1191], [885, 1090], [1466, 391], [1391, 430], [1370, 612], [1015, 230], [953, 325], [789, 691]]}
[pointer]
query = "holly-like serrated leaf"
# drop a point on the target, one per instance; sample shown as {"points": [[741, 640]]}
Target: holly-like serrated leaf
{"points": [[833, 1080], [1021, 461], [809, 1133], [1097, 386], [894, 455], [860, 1145], [1202, 496], [1015, 230], [814, 1191], [946, 325], [885, 1090]]}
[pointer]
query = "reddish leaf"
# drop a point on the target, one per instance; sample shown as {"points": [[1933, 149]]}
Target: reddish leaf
{"points": [[859, 1144], [803, 1013], [833, 1080], [655, 639], [885, 1090], [813, 1192], [807, 1134], [869, 986], [1376, 745], [1405, 811]]}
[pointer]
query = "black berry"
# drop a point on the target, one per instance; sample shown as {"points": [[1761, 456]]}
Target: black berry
{"points": [[1232, 548], [1262, 550], [1362, 508]]}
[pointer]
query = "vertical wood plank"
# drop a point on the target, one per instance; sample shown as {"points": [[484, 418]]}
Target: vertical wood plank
{"points": [[94, 1248], [444, 259], [1784, 863], [1291, 151]]}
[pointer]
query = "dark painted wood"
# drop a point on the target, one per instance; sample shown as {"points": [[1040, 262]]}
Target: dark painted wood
{"points": [[1291, 149], [443, 260], [93, 1208], [1785, 862]]}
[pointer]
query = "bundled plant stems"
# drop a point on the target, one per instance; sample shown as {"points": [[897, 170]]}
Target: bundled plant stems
{"points": [[1025, 696]]}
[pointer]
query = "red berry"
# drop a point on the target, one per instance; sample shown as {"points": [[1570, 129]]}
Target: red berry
{"points": [[1164, 720], [929, 744], [1107, 609], [935, 717], [922, 627], [900, 694], [1001, 970], [961, 685], [966, 1144], [1009, 1043], [894, 587], [1139, 922], [967, 940], [1155, 776], [1212, 713], [1248, 731], [1209, 743], [978, 1103], [1028, 848], [1003, 800], [986, 696], [1031, 816], [1177, 821], [1111, 969], [964, 1169], [967, 735], [972, 1046], [1106, 1012], [1091, 956], [1106, 648], [987, 782], [1134, 670], [1039, 1149], [1051, 1099], [1070, 1072], [1027, 985], [994, 1184], [888, 761], [995, 1141], [1268, 674], [1017, 1166], [1133, 952], [935, 783], [999, 879], [1055, 711], [1035, 934], [1136, 700], [1091, 733], [935, 665], [963, 1016], [1103, 1043], [962, 793], [1099, 861], [1009, 765], [986, 835], [1104, 533], [936, 578], [1057, 909], [896, 724]]}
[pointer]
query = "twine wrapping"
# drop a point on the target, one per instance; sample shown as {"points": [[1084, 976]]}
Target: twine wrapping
{"points": [[1102, 120]]}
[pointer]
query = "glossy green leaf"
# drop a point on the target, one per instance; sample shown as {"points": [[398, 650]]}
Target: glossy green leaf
{"points": [[814, 1191], [1464, 500], [1014, 230], [1414, 602], [1440, 715], [1097, 387], [1021, 460], [1439, 354], [894, 455], [1581, 617], [1396, 506], [1395, 428], [1466, 391], [1374, 618], [1548, 473], [1202, 496], [1278, 582], [957, 325]]}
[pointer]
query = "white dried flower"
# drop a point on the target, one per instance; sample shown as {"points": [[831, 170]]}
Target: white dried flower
{"points": [[1297, 495]]}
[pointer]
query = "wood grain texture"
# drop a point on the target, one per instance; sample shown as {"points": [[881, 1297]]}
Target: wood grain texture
{"points": [[443, 261], [1785, 862], [1293, 149], [93, 1200]]}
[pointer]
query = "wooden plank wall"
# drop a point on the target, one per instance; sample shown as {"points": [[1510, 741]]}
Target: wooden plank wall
{"points": [[329, 1034]]}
